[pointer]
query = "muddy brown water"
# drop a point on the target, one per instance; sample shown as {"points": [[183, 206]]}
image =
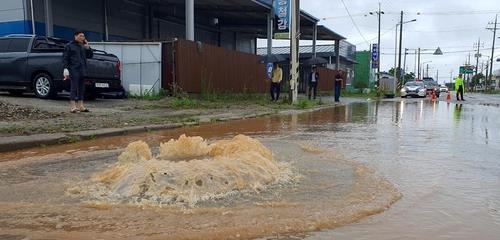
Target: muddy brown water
{"points": [[443, 159]]}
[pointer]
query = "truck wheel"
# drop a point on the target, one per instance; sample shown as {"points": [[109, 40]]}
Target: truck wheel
{"points": [[44, 86]]}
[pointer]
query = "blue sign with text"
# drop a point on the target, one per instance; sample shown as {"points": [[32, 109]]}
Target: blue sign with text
{"points": [[282, 9], [375, 55]]}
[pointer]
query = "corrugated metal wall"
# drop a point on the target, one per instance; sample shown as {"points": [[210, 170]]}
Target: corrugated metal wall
{"points": [[203, 67]]}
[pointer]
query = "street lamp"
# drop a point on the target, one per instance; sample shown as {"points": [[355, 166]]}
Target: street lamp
{"points": [[436, 53], [427, 68], [397, 70], [396, 44], [401, 43]]}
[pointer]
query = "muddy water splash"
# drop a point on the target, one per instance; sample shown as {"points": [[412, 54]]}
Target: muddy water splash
{"points": [[329, 192], [186, 171]]}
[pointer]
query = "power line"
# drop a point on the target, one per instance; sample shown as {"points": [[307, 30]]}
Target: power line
{"points": [[444, 13], [384, 33], [354, 23], [458, 51]]}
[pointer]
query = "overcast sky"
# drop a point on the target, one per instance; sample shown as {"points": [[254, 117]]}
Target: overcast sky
{"points": [[453, 25]]}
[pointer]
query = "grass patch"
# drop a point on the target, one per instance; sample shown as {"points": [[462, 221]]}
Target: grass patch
{"points": [[234, 97], [71, 139], [13, 130], [150, 96], [305, 104], [372, 94], [491, 91], [184, 102]]}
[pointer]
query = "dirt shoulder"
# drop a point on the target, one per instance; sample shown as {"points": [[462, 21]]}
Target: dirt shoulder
{"points": [[26, 120]]}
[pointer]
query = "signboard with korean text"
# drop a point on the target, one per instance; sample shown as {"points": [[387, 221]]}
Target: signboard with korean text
{"points": [[375, 55], [282, 19]]}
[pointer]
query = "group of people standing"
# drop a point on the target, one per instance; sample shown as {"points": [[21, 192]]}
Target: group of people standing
{"points": [[313, 81]]}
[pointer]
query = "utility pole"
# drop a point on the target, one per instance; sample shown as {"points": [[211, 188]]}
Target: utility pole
{"points": [[294, 35], [190, 20], [427, 72], [487, 68], [379, 16], [396, 52], [404, 63], [400, 48], [468, 75], [451, 78], [492, 51], [419, 64], [415, 66], [32, 17], [378, 43], [478, 55]]}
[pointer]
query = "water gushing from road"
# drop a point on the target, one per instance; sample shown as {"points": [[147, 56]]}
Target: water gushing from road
{"points": [[186, 171]]}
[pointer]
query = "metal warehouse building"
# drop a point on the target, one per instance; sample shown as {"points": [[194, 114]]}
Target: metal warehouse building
{"points": [[229, 24], [233, 24]]}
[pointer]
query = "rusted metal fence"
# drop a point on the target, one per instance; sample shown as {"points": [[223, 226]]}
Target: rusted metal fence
{"points": [[198, 68], [206, 68], [327, 79]]}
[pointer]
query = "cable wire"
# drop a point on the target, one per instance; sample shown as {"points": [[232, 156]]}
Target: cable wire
{"points": [[354, 23]]}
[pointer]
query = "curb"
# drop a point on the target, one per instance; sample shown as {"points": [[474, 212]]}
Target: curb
{"points": [[21, 142], [13, 143]]}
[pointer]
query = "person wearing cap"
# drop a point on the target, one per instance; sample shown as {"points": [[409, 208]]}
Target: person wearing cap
{"points": [[459, 87]]}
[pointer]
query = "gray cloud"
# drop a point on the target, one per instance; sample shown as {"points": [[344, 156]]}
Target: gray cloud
{"points": [[437, 25]]}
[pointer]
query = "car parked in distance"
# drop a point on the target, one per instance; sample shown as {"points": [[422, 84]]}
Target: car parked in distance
{"points": [[443, 88], [414, 89]]}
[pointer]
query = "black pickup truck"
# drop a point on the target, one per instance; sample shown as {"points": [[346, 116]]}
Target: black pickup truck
{"points": [[34, 63]]}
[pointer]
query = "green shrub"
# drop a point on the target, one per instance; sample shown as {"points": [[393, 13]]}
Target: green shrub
{"points": [[151, 96], [183, 103], [305, 103]]}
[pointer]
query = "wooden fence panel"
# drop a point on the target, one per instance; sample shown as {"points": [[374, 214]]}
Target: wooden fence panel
{"points": [[327, 79], [203, 67]]}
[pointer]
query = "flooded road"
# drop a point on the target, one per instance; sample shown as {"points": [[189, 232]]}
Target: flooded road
{"points": [[443, 159]]}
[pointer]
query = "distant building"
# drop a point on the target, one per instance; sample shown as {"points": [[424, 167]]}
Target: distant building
{"points": [[363, 71], [347, 56]]}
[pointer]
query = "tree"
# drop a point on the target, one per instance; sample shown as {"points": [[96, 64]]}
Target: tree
{"points": [[406, 78], [476, 79], [409, 77]]}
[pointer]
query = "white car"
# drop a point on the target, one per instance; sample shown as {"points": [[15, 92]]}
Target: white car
{"points": [[443, 88], [414, 89]]}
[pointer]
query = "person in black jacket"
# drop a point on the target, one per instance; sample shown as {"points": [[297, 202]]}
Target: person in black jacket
{"points": [[338, 85], [75, 68], [313, 82]]}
